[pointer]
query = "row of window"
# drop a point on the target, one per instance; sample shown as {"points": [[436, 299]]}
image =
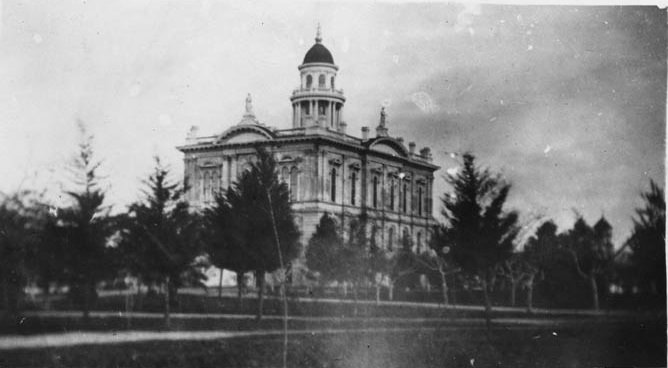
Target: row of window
{"points": [[422, 207], [211, 183], [392, 242], [321, 81]]}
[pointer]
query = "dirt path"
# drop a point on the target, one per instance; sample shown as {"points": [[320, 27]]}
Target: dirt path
{"points": [[118, 337], [121, 337]]}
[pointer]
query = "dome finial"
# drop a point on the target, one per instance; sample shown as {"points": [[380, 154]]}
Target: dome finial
{"points": [[318, 34]]}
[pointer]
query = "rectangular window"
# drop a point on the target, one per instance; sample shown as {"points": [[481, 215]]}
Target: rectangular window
{"points": [[375, 192], [353, 187], [332, 194], [403, 198], [392, 195]]}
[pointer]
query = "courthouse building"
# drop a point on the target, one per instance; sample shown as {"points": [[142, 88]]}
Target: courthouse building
{"points": [[327, 169]]}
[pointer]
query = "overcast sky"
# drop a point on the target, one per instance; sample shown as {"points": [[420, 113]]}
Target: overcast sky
{"points": [[567, 102]]}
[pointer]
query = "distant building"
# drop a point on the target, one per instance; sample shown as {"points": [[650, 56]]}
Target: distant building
{"points": [[326, 169]]}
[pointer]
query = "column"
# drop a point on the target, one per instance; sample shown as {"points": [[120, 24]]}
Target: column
{"points": [[294, 115], [299, 115], [314, 113]]}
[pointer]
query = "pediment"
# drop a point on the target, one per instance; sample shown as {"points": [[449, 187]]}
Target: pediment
{"points": [[245, 134], [389, 146], [245, 138]]}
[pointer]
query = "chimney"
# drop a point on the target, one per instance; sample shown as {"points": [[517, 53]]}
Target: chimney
{"points": [[365, 133], [426, 153], [342, 127], [411, 148]]}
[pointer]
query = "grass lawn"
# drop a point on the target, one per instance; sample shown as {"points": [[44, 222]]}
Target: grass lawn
{"points": [[586, 345]]}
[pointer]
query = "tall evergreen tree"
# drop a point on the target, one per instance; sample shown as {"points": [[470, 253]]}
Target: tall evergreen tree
{"points": [[162, 238], [223, 244], [479, 231], [263, 220], [648, 242], [84, 228]]}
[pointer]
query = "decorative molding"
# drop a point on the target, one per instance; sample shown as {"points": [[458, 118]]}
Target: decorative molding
{"points": [[209, 165], [335, 161], [287, 159], [355, 166]]}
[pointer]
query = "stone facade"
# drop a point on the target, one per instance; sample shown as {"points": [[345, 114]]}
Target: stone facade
{"points": [[327, 170]]}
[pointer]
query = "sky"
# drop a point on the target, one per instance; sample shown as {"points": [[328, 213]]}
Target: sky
{"points": [[567, 103]]}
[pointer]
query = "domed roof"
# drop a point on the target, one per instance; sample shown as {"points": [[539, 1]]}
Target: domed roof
{"points": [[318, 54]]}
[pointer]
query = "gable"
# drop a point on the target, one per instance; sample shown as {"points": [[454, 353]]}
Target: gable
{"points": [[245, 134], [245, 137], [389, 147]]}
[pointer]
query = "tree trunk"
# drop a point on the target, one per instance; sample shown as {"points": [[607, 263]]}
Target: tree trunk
{"points": [[377, 293], [260, 293], [513, 291], [86, 301], [284, 297], [240, 290], [354, 299], [444, 289], [220, 285], [128, 308], [594, 291], [488, 304], [530, 294], [167, 302], [140, 297], [391, 290]]}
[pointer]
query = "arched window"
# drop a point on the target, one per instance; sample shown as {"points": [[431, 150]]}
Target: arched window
{"points": [[309, 81], [353, 187], [332, 179], [406, 240], [294, 184], [332, 82], [307, 108], [419, 201], [321, 81], [375, 192], [284, 175], [390, 238]]}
